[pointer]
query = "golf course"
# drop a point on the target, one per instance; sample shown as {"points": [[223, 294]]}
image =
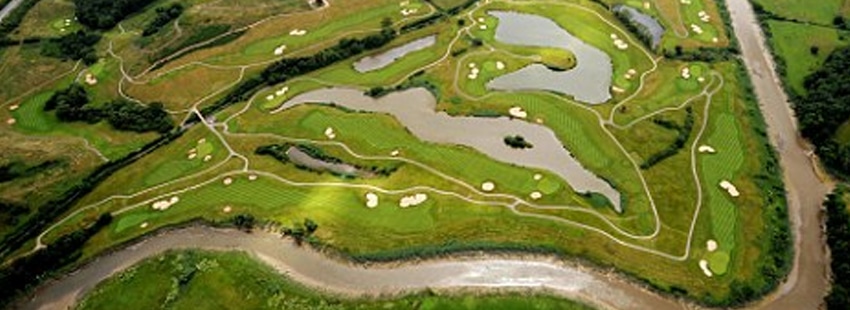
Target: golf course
{"points": [[272, 154]]}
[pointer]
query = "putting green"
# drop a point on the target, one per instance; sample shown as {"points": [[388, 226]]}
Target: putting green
{"points": [[718, 262]]}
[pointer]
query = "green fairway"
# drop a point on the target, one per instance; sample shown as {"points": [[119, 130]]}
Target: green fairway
{"points": [[233, 280]]}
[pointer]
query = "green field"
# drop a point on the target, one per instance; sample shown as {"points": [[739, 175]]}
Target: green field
{"points": [[818, 12], [793, 43], [233, 280]]}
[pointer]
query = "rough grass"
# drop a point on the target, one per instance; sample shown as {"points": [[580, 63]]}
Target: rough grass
{"points": [[819, 12], [793, 42], [232, 280]]}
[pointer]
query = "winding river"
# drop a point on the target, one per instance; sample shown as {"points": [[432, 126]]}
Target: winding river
{"points": [[805, 288], [416, 110], [589, 81]]}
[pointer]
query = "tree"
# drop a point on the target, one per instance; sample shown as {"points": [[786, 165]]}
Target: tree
{"points": [[244, 222]]}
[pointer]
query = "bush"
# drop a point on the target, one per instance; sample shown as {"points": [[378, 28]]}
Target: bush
{"points": [[73, 46], [517, 142], [72, 105]]}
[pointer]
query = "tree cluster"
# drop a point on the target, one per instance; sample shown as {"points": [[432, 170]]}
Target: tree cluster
{"points": [[517, 142], [28, 271], [825, 108], [105, 14], [301, 232], [19, 169], [838, 239], [78, 45], [72, 105], [684, 132], [164, 15]]}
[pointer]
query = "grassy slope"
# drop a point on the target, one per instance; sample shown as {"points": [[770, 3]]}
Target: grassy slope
{"points": [[793, 41], [232, 280], [820, 12]]}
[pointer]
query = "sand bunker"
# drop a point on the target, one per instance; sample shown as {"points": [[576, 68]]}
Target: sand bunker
{"points": [[14, 107], [482, 27], [715, 40], [535, 195], [192, 156], [488, 186], [617, 90], [163, 205], [252, 177], [90, 79], [227, 181], [619, 43], [473, 74], [371, 200], [707, 149], [538, 177], [270, 97], [412, 201], [685, 1], [500, 65], [733, 191], [703, 264], [711, 245], [517, 112], [329, 132], [408, 12], [686, 73], [282, 91], [279, 50], [11, 121], [144, 225], [207, 158], [394, 153], [696, 29], [701, 79], [227, 209], [481, 19], [703, 16], [298, 32]]}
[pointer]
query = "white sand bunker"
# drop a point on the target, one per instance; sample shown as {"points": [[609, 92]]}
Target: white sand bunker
{"points": [[538, 177], [696, 29], [701, 79], [711, 245], [91, 79], [619, 43], [703, 16], [482, 27], [715, 40], [535, 195], [703, 264], [207, 158], [706, 149], [252, 177], [279, 50], [733, 191], [517, 112], [371, 200], [408, 12], [395, 153], [617, 90], [330, 133], [686, 73], [269, 97], [282, 91], [646, 5], [14, 107], [227, 209], [685, 1], [473, 74], [227, 181], [144, 225], [412, 201], [163, 205], [500, 65], [11, 121], [298, 32], [488, 186], [481, 19], [630, 74]]}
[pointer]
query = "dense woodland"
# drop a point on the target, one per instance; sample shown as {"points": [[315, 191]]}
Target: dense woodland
{"points": [[825, 108], [78, 45], [105, 14], [164, 15], [838, 239], [72, 105]]}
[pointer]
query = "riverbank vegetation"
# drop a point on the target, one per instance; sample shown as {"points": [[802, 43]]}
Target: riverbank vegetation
{"points": [[838, 239], [193, 279]]}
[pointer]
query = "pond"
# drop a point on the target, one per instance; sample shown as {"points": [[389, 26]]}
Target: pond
{"points": [[589, 81], [372, 63], [299, 157], [415, 109], [653, 28]]}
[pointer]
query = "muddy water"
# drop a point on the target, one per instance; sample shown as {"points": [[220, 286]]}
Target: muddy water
{"points": [[589, 81], [656, 31], [299, 157], [318, 271], [807, 283], [415, 109], [372, 63]]}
